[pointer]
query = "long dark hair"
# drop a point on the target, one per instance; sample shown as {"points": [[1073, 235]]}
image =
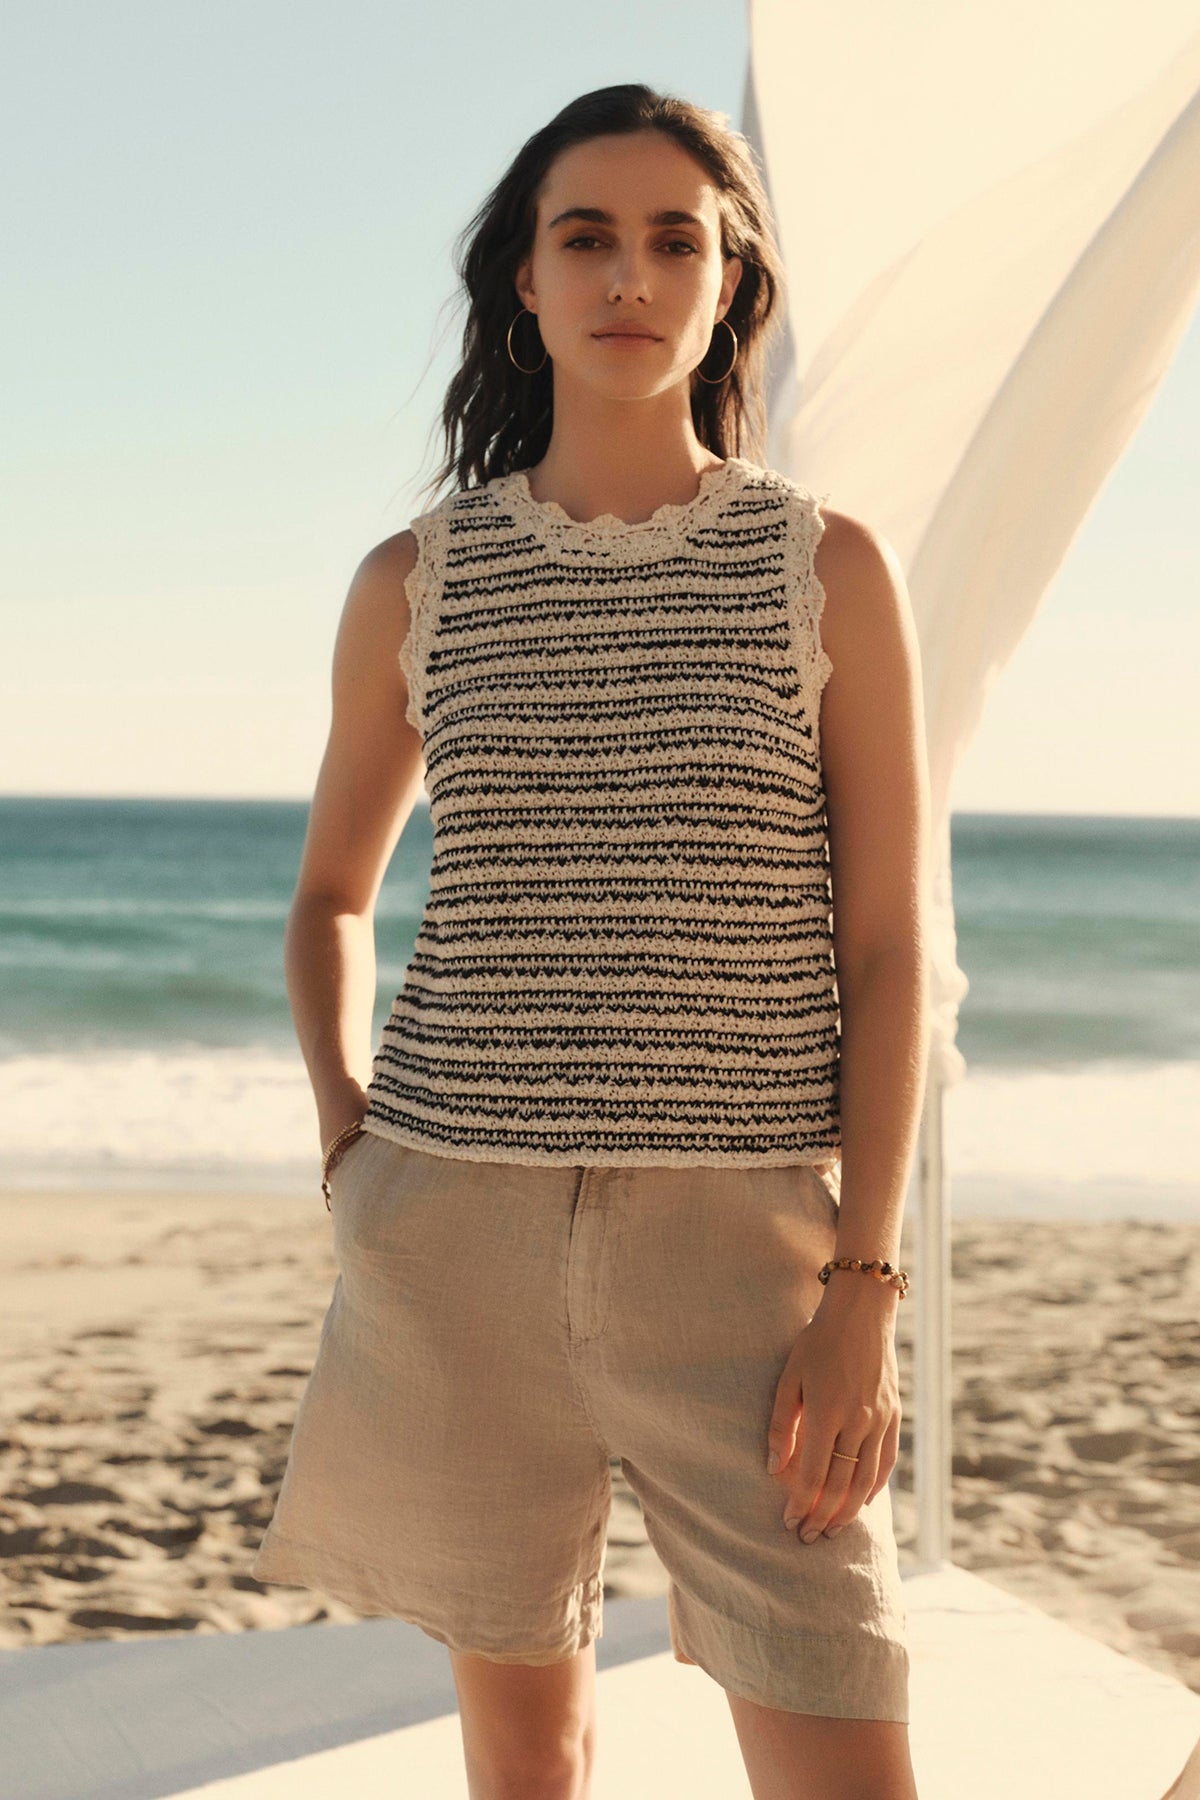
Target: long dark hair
{"points": [[496, 419]]}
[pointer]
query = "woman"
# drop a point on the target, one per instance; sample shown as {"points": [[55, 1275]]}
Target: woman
{"points": [[622, 1114]]}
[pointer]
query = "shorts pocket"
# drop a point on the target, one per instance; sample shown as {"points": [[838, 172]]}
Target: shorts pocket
{"points": [[828, 1177], [349, 1156]]}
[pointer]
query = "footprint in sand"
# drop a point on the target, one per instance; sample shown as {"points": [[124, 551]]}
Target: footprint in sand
{"points": [[1108, 1446], [992, 1465], [101, 1620], [69, 1493], [163, 1537]]}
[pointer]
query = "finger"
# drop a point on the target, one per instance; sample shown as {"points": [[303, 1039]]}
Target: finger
{"points": [[863, 1475], [889, 1450], [784, 1422], [819, 1483]]}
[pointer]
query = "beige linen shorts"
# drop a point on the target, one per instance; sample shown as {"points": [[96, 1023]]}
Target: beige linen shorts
{"points": [[497, 1332]]}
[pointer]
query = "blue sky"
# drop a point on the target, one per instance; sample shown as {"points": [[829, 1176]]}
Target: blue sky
{"points": [[225, 344]]}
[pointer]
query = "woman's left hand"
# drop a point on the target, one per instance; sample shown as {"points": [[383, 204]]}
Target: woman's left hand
{"points": [[839, 1390]]}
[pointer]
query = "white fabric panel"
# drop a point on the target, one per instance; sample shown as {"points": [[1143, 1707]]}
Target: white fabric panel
{"points": [[990, 218]]}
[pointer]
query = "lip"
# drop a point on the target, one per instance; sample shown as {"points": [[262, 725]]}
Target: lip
{"points": [[638, 337]]}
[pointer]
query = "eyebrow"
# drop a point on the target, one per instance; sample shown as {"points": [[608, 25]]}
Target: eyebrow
{"points": [[595, 215]]}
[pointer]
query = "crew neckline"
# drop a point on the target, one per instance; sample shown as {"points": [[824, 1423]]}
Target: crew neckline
{"points": [[607, 525]]}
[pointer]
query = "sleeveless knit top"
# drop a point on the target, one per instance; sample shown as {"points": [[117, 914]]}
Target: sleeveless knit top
{"points": [[626, 956]]}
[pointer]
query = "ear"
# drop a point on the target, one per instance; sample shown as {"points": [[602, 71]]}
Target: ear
{"points": [[729, 282], [522, 281]]}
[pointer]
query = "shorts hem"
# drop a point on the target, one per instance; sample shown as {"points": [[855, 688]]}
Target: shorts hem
{"points": [[288, 1562], [837, 1675]]}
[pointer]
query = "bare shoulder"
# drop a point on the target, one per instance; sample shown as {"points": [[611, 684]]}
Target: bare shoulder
{"points": [[872, 741], [867, 612], [394, 558], [376, 612], [858, 567], [384, 570], [371, 771]]}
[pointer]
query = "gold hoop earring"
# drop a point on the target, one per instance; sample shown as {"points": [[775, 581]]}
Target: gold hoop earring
{"points": [[512, 359], [716, 380]]}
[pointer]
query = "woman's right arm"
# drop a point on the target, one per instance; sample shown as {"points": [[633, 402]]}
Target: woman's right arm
{"points": [[369, 780]]}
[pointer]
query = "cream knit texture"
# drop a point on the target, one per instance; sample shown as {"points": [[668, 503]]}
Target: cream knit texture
{"points": [[627, 955]]}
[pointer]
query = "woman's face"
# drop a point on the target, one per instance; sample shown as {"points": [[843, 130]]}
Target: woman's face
{"points": [[623, 263]]}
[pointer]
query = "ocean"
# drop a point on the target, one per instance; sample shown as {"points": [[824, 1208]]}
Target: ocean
{"points": [[146, 1039]]}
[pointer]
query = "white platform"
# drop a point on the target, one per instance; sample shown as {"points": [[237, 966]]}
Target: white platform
{"points": [[1007, 1704]]}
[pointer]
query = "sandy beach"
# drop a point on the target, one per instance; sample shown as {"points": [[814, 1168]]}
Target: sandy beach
{"points": [[156, 1346]]}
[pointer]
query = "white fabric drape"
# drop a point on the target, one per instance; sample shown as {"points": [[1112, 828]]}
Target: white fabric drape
{"points": [[990, 218]]}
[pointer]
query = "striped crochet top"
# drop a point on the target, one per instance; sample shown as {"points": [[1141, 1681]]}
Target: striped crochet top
{"points": [[626, 956]]}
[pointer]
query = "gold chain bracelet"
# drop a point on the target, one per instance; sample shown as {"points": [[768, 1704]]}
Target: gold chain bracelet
{"points": [[882, 1271], [337, 1150]]}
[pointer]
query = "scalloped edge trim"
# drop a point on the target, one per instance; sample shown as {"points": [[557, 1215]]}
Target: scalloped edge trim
{"points": [[662, 1157], [423, 588], [806, 600], [622, 540]]}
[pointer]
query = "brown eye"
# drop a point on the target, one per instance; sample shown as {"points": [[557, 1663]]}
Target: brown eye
{"points": [[671, 244]]}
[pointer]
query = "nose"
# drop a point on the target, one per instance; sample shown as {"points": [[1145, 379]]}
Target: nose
{"points": [[630, 280]]}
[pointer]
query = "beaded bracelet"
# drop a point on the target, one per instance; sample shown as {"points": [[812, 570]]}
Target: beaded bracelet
{"points": [[882, 1271], [337, 1150]]}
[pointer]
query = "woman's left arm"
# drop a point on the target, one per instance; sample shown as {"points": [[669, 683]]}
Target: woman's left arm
{"points": [[840, 1389]]}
